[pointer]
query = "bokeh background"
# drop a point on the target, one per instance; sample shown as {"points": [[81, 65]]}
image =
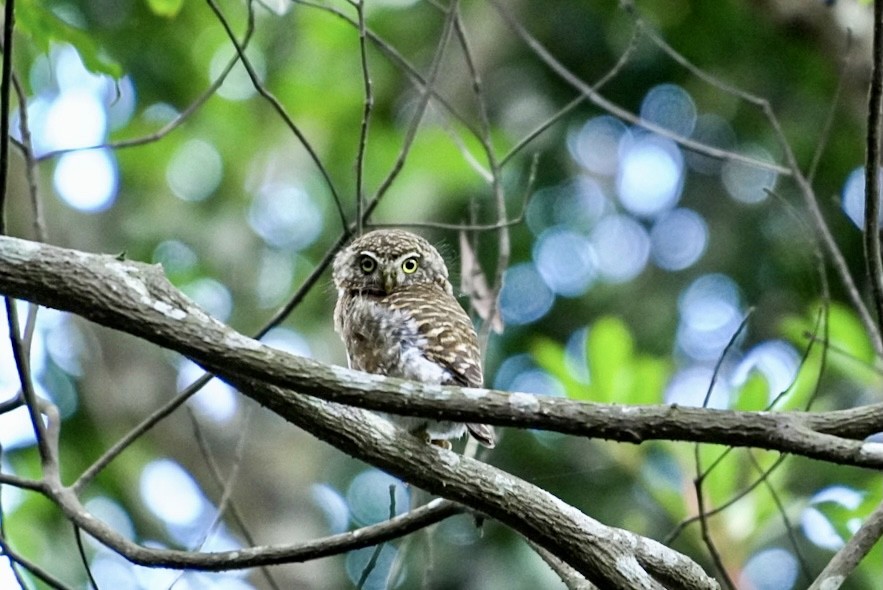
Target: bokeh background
{"points": [[636, 265]]}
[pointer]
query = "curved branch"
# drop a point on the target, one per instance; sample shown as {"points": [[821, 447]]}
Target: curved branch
{"points": [[136, 298]]}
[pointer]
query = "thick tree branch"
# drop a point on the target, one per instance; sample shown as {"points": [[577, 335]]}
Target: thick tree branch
{"points": [[128, 295], [136, 298]]}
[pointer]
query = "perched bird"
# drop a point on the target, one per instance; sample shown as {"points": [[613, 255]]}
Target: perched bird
{"points": [[397, 316]]}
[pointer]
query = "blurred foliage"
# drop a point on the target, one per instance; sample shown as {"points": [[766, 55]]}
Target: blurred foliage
{"points": [[626, 333]]}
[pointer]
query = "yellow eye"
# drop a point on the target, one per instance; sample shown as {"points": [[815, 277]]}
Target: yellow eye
{"points": [[367, 264], [410, 266]]}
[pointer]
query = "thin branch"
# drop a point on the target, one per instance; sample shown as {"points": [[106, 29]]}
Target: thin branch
{"points": [[375, 555], [569, 107], [366, 116], [399, 61], [697, 459], [34, 569], [180, 118], [279, 109], [873, 259], [135, 433], [793, 170], [786, 522], [825, 134], [215, 472], [417, 117], [22, 365], [571, 578], [250, 557], [81, 550], [170, 406], [597, 99], [5, 86], [24, 129], [846, 560]]}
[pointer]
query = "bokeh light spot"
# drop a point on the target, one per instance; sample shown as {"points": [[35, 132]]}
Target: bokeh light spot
{"points": [[621, 247], [194, 171], [689, 387], [770, 569], [596, 145], [285, 216], [671, 107], [854, 197], [171, 493], [238, 84], [565, 261], [357, 562], [776, 360], [715, 131], [525, 297], [369, 499], [87, 181], [332, 505], [746, 183], [678, 239], [176, 257], [577, 204], [75, 119], [710, 314], [211, 295], [650, 176], [215, 401]]}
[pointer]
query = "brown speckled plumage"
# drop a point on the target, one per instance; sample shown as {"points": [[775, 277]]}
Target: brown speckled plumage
{"points": [[401, 319]]}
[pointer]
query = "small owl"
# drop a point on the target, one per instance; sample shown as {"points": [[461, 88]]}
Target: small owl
{"points": [[397, 316]]}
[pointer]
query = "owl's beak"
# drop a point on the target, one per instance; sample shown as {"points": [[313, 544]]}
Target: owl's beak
{"points": [[389, 282]]}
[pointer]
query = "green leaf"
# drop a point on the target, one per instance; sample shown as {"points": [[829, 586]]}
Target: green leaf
{"points": [[609, 348], [165, 8], [754, 394], [651, 375], [44, 27], [850, 352], [552, 357]]}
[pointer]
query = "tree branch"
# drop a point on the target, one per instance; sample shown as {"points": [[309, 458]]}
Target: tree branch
{"points": [[136, 298]]}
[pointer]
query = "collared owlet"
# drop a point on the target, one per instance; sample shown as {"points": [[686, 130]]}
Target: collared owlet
{"points": [[397, 316]]}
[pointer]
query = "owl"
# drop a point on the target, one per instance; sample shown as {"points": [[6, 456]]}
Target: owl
{"points": [[397, 316]]}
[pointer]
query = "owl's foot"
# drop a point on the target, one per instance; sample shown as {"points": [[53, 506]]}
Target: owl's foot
{"points": [[442, 442], [439, 442]]}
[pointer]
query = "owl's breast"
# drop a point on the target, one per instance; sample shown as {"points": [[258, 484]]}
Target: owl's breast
{"points": [[378, 338]]}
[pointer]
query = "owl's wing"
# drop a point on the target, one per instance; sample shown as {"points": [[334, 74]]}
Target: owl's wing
{"points": [[451, 343]]}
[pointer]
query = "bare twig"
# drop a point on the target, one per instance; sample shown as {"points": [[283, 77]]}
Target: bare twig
{"points": [[786, 522], [851, 554], [700, 475], [366, 115], [22, 364], [873, 259], [180, 118], [34, 569], [422, 104], [226, 503], [5, 87], [793, 170], [825, 134], [280, 110], [375, 555], [569, 107]]}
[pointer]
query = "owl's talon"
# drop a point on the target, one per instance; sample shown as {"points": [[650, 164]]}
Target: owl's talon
{"points": [[441, 442]]}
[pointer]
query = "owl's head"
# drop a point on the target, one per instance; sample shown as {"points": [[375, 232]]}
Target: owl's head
{"points": [[385, 260]]}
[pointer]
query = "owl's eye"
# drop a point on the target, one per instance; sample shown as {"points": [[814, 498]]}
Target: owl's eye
{"points": [[367, 264], [410, 265]]}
